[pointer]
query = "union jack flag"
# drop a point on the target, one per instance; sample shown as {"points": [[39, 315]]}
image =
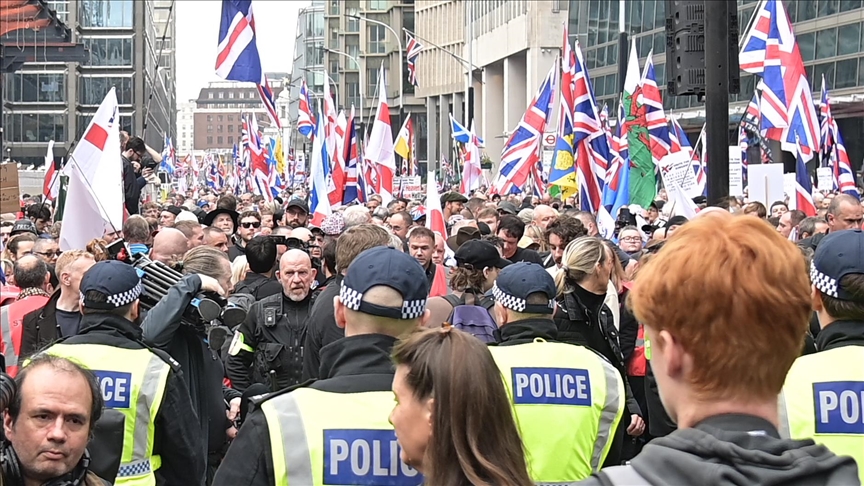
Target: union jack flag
{"points": [[237, 56], [803, 188], [835, 149], [522, 150], [592, 149], [413, 47], [826, 135], [353, 183], [305, 118], [771, 52]]}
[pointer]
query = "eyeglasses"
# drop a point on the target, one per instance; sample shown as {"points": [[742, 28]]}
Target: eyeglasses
{"points": [[631, 239], [252, 224], [48, 254]]}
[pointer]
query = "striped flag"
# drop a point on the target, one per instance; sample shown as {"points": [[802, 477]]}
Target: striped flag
{"points": [[413, 49]]}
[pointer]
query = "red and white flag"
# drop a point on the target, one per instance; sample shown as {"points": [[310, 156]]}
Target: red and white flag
{"points": [[434, 214], [51, 184], [379, 151], [95, 192]]}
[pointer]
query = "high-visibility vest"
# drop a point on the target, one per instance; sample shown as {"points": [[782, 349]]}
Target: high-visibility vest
{"points": [[320, 438], [12, 328], [823, 400], [132, 382], [638, 364], [568, 402]]}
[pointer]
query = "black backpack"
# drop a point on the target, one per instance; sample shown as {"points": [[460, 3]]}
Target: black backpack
{"points": [[473, 316]]}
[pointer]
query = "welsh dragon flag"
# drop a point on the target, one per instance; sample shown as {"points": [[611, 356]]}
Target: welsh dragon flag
{"points": [[643, 182]]}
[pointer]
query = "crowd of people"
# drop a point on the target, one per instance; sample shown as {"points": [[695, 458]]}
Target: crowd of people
{"points": [[519, 348]]}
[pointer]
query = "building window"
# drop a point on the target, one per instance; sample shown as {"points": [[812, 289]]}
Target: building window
{"points": [[221, 95], [209, 140], [209, 118], [377, 37], [230, 95], [334, 7], [230, 128], [36, 127], [209, 128], [230, 140], [109, 52], [826, 43], [210, 95], [352, 50], [314, 25], [240, 95], [352, 24], [848, 39], [219, 128], [219, 140], [92, 90], [807, 46], [352, 89], [36, 87], [230, 118], [372, 81], [847, 74], [106, 13], [314, 53], [219, 118], [377, 4]]}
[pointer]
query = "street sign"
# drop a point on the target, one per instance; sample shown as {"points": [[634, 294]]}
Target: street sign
{"points": [[549, 139]]}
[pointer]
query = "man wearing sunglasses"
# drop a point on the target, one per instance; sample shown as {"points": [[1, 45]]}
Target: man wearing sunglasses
{"points": [[250, 225], [47, 250]]}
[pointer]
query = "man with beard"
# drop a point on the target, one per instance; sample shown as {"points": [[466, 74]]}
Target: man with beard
{"points": [[268, 346], [296, 213]]}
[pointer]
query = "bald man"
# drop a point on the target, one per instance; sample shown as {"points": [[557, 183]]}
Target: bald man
{"points": [[169, 246], [268, 353], [543, 216]]}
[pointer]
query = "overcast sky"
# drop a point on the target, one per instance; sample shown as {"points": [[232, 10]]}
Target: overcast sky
{"points": [[198, 35]]}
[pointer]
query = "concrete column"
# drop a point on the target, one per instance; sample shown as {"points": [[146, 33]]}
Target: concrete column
{"points": [[478, 112], [444, 128], [493, 111], [516, 99], [432, 141], [459, 108]]}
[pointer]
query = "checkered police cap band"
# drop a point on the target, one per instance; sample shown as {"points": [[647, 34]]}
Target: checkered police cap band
{"points": [[352, 299], [519, 304], [824, 283], [116, 300]]}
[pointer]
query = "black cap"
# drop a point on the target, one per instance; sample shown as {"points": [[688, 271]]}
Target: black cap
{"points": [[386, 266], [453, 197], [838, 254], [23, 226], [119, 282], [676, 221], [516, 282], [208, 220], [507, 207], [298, 203], [479, 254], [173, 210]]}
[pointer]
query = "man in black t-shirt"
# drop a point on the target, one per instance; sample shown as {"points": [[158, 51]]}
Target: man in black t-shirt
{"points": [[511, 229]]}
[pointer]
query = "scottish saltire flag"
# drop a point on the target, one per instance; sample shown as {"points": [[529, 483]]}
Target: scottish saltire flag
{"points": [[169, 158], [305, 118], [462, 134], [237, 57], [658, 129], [803, 198], [522, 150], [562, 172], [770, 51], [413, 48]]}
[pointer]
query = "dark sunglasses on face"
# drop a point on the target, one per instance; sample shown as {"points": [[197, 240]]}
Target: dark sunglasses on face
{"points": [[49, 253], [252, 224]]}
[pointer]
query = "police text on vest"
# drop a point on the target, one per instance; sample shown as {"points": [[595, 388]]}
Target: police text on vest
{"points": [[367, 457], [553, 386], [116, 388], [839, 407]]}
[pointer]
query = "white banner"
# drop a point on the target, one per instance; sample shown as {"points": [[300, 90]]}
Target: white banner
{"points": [[736, 172], [765, 183], [677, 168]]}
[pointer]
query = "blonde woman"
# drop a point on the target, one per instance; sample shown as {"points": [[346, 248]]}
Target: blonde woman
{"points": [[239, 269]]}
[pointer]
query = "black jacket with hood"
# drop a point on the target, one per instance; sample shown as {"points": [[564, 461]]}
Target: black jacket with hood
{"points": [[731, 450]]}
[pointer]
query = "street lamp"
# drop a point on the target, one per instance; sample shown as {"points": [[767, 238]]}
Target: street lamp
{"points": [[398, 43], [336, 92], [359, 74]]}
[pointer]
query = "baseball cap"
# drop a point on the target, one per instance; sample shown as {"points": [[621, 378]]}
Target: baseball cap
{"points": [[118, 281], [507, 207], [418, 213], [333, 224], [23, 226], [386, 266], [173, 210], [516, 282], [837, 255], [298, 203], [479, 254]]}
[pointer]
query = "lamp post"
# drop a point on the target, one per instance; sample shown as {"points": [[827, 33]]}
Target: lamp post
{"points": [[399, 44], [359, 74]]}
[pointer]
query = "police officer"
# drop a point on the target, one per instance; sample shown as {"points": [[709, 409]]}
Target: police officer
{"points": [[268, 347], [163, 444], [337, 430], [568, 399], [823, 397]]}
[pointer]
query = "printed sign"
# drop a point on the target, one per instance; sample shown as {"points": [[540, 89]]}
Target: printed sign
{"points": [[116, 388], [839, 407], [765, 183], [10, 197], [736, 172], [553, 386], [678, 168], [367, 457], [409, 186], [824, 179]]}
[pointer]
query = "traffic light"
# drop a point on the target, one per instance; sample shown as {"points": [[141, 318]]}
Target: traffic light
{"points": [[685, 47]]}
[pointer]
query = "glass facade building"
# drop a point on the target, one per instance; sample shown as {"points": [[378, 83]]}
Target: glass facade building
{"points": [[830, 35], [45, 101]]}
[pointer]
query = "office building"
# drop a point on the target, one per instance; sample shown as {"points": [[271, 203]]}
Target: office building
{"points": [[45, 101], [216, 118], [308, 65], [830, 35], [185, 142]]}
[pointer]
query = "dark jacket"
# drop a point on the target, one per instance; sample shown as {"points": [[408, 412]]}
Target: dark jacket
{"points": [[176, 440], [39, 328], [235, 250], [201, 365], [526, 255], [258, 286], [321, 329], [131, 188], [275, 328], [839, 334], [352, 365], [724, 450], [812, 242], [525, 331]]}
